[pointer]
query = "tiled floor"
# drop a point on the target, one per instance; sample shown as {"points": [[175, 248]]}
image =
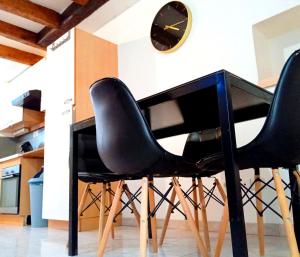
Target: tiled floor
{"points": [[27, 242]]}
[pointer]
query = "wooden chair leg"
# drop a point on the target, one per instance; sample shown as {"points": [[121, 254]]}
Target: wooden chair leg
{"points": [[110, 219], [297, 175], [195, 199], [204, 214], [102, 212], [259, 216], [224, 221], [110, 203], [222, 230], [152, 218], [134, 209], [289, 229], [167, 218], [144, 218], [82, 202], [200, 243]]}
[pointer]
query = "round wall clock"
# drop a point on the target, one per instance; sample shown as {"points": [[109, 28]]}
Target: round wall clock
{"points": [[171, 26]]}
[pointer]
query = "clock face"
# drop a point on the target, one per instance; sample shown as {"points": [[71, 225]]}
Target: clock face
{"points": [[171, 26]]}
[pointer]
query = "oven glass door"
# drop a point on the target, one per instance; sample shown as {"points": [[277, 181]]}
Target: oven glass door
{"points": [[9, 197]]}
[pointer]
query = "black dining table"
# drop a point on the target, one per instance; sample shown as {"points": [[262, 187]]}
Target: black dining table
{"points": [[217, 100]]}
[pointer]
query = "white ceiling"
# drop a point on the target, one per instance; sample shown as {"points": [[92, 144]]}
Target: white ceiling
{"points": [[57, 5], [122, 29], [109, 11]]}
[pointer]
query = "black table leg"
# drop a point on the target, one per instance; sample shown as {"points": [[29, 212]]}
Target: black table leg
{"points": [[236, 212], [295, 195], [73, 196]]}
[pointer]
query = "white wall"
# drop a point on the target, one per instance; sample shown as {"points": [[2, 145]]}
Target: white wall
{"points": [[221, 38]]}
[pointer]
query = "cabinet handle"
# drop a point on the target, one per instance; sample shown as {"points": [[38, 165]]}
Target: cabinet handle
{"points": [[67, 101], [66, 112]]}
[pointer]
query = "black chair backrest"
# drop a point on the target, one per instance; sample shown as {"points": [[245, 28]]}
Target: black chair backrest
{"points": [[88, 157], [125, 142], [281, 131], [197, 146]]}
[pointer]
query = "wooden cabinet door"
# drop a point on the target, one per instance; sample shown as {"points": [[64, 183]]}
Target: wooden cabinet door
{"points": [[95, 58]]}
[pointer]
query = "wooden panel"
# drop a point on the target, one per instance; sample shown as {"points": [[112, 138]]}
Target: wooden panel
{"points": [[31, 120], [17, 55], [32, 11], [81, 2], [10, 163], [58, 224], [95, 58], [19, 34], [29, 168], [37, 153], [15, 220]]}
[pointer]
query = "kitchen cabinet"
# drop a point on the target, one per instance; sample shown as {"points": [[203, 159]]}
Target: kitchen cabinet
{"points": [[21, 122], [80, 60], [95, 58], [29, 167]]}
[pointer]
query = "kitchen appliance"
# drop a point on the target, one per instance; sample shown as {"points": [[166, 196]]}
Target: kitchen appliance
{"points": [[30, 100], [10, 190], [25, 147]]}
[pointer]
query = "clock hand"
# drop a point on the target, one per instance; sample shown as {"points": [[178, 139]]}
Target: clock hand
{"points": [[177, 23], [170, 27]]}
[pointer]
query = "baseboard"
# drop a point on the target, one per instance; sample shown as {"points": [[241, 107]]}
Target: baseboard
{"points": [[58, 224], [271, 229], [14, 220]]}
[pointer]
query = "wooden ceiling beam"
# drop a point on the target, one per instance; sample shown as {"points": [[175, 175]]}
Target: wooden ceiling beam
{"points": [[32, 11], [19, 34], [17, 55], [81, 2], [72, 16]]}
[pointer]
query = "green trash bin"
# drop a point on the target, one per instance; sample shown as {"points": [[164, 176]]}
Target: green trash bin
{"points": [[36, 202]]}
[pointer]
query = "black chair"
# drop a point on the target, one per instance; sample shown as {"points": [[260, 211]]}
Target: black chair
{"points": [[127, 147], [91, 171], [197, 146], [277, 144]]}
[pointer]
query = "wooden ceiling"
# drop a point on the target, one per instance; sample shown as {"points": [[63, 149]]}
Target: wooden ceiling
{"points": [[54, 26]]}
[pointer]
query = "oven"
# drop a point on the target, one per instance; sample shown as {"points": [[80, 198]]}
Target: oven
{"points": [[10, 190]]}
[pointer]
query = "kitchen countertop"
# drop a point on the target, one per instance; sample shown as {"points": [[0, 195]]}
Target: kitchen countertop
{"points": [[4, 159], [36, 153]]}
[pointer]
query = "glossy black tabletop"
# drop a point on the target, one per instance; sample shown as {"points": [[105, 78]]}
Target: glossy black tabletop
{"points": [[193, 106]]}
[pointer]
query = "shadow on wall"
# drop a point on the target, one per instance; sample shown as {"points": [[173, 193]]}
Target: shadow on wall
{"points": [[7, 146]]}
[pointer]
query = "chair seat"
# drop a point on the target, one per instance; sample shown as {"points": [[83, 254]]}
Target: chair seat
{"points": [[98, 177], [173, 165], [248, 156]]}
